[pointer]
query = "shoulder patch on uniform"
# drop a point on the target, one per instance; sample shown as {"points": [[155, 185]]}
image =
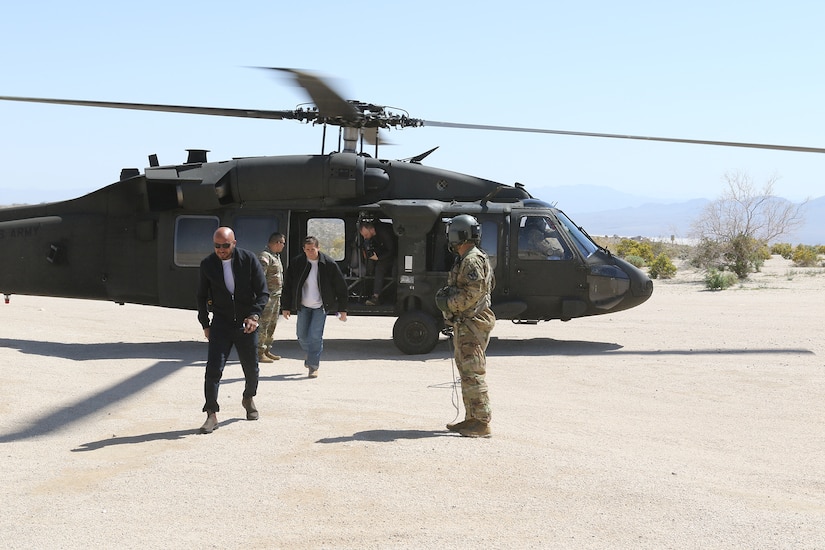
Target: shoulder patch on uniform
{"points": [[473, 275]]}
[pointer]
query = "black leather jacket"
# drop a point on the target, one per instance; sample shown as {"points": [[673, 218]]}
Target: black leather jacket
{"points": [[383, 244], [331, 282], [251, 293]]}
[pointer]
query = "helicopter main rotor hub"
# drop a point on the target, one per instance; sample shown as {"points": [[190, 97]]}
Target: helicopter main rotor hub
{"points": [[364, 115]]}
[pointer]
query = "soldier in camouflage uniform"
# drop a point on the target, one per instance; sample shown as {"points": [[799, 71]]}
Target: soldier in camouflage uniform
{"points": [[465, 302], [270, 259]]}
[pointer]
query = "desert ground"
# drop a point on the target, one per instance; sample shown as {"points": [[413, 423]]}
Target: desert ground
{"points": [[693, 421]]}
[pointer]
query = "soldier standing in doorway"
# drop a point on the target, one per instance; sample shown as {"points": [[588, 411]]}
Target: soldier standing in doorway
{"points": [[270, 259]]}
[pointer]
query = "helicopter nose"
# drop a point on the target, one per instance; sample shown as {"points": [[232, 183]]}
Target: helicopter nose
{"points": [[641, 287]]}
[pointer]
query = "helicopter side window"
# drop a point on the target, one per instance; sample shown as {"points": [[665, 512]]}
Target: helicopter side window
{"points": [[331, 233], [539, 239], [252, 232], [439, 257], [489, 241], [193, 239]]}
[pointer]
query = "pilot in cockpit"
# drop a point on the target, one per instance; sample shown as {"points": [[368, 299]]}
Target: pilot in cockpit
{"points": [[539, 239]]}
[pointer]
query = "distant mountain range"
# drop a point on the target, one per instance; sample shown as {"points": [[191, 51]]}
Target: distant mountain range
{"points": [[605, 211]]}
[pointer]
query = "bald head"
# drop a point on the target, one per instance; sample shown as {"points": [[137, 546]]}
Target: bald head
{"points": [[224, 233], [222, 237]]}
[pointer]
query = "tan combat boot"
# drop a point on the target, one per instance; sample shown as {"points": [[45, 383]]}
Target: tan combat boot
{"points": [[475, 428], [272, 355], [263, 358], [458, 426]]}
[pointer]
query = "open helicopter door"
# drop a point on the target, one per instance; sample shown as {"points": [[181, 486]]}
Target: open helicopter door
{"points": [[545, 273]]}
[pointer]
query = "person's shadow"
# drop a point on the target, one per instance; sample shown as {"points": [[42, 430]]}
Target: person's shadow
{"points": [[144, 438]]}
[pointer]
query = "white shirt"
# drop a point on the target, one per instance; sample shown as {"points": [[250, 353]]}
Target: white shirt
{"points": [[228, 276], [311, 293]]}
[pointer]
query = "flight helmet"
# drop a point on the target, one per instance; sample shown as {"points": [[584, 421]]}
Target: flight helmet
{"points": [[461, 229]]}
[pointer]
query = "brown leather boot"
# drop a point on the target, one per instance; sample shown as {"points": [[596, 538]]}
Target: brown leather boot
{"points": [[251, 410], [211, 423]]}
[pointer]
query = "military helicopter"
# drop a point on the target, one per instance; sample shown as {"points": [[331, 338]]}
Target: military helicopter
{"points": [[146, 233]]}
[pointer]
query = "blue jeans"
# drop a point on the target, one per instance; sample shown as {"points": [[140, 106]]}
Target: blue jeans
{"points": [[310, 330], [223, 335]]}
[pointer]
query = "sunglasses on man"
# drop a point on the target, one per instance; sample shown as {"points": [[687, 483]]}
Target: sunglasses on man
{"points": [[223, 245]]}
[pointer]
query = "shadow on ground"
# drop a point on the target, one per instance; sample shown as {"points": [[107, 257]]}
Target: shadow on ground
{"points": [[385, 436]]}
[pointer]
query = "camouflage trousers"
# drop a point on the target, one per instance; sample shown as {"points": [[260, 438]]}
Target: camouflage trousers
{"points": [[470, 344], [268, 322]]}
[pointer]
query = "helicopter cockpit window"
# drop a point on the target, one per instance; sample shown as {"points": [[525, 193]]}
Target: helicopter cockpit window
{"points": [[585, 245], [331, 234], [193, 239], [539, 239]]}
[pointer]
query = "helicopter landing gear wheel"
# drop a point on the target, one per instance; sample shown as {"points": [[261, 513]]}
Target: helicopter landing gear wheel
{"points": [[415, 332]]}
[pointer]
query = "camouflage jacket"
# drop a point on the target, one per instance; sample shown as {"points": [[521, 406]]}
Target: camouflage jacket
{"points": [[274, 271], [472, 281], [545, 246]]}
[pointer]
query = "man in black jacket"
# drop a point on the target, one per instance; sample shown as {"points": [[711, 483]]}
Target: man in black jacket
{"points": [[233, 282], [379, 251], [313, 287]]}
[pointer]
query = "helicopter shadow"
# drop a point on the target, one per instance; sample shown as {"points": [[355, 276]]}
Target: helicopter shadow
{"points": [[170, 357], [549, 346], [386, 436], [347, 349], [284, 377], [72, 413], [185, 351], [534, 347], [384, 349]]}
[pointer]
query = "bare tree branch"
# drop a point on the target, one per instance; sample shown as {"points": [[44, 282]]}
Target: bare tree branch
{"points": [[745, 218]]}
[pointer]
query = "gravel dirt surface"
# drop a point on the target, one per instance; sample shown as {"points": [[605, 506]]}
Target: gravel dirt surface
{"points": [[693, 421]]}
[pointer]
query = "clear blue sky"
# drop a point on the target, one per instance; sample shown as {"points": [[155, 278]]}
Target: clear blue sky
{"points": [[736, 71]]}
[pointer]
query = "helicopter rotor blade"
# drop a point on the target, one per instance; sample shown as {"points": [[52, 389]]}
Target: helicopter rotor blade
{"points": [[374, 136], [333, 109], [370, 135], [796, 148], [214, 111], [329, 102]]}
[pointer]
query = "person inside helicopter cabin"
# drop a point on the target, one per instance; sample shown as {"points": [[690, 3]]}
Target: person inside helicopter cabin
{"points": [[378, 250], [270, 258], [538, 239]]}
